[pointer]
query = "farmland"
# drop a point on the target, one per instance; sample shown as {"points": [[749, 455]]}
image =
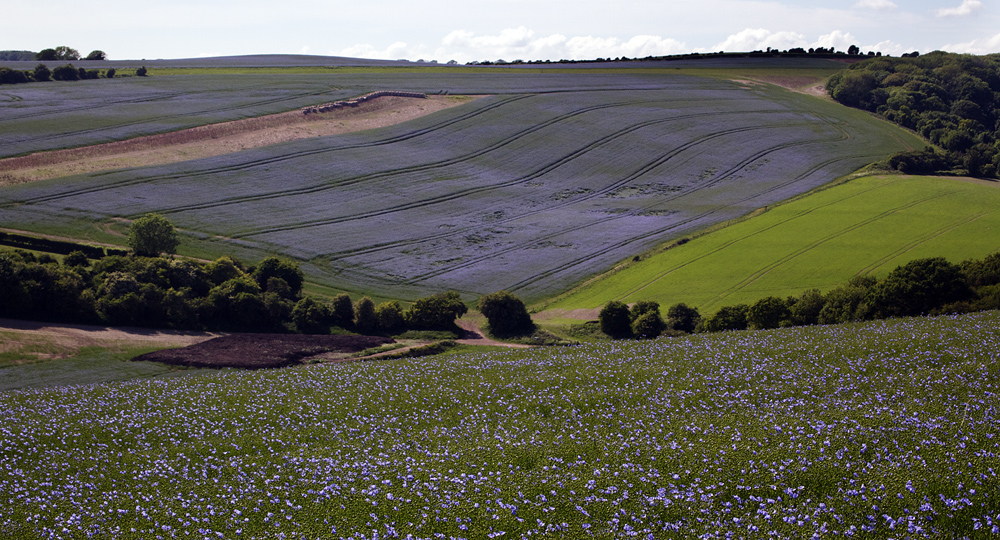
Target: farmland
{"points": [[882, 429], [867, 226], [555, 177]]}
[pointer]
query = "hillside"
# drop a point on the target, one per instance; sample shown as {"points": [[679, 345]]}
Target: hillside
{"points": [[867, 226], [797, 432], [555, 177]]}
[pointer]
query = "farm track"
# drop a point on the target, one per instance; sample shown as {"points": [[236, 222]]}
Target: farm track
{"points": [[268, 161], [921, 240], [657, 232], [470, 191]]}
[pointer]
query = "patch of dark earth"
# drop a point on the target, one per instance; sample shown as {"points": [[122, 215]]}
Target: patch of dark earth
{"points": [[260, 351]]}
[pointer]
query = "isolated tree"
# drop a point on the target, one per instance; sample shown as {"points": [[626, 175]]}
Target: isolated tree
{"points": [[151, 235], [365, 319], [141, 72], [110, 73], [615, 321], [683, 318], [506, 315], [96, 55]]}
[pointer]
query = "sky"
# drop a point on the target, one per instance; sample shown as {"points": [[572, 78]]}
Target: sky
{"points": [[467, 30]]}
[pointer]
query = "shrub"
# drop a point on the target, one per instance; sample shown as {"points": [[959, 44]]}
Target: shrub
{"points": [[390, 317], [768, 312], [615, 321], [682, 318], [649, 325], [436, 312], [311, 317], [342, 311], [728, 318], [365, 320], [506, 315]]}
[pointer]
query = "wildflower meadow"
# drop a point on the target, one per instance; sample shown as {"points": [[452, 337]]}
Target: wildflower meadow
{"points": [[886, 429]]}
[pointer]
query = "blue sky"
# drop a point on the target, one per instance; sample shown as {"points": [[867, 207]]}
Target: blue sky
{"points": [[497, 29]]}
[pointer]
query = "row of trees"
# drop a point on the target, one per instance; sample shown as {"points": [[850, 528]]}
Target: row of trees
{"points": [[67, 53], [68, 72], [951, 99], [921, 287]]}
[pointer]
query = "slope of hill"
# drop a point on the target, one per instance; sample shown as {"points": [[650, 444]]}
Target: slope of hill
{"points": [[798, 432], [866, 226], [558, 176]]}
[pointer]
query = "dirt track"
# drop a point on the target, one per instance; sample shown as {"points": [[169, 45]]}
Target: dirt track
{"points": [[218, 139]]}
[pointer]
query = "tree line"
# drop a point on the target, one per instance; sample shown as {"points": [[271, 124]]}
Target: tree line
{"points": [[67, 72], [151, 288], [930, 286], [953, 100]]}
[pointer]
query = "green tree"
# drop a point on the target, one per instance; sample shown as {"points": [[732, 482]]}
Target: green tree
{"points": [[615, 320], [67, 53], [506, 315], [918, 287], [47, 55], [390, 317], [141, 72], [151, 235], [806, 309], [649, 325], [436, 312], [683, 318], [365, 319], [96, 55], [769, 312], [641, 308], [65, 73], [41, 73], [728, 318], [311, 317], [273, 267], [342, 311]]}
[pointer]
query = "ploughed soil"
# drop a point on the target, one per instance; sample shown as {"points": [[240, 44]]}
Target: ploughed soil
{"points": [[260, 351], [222, 138]]}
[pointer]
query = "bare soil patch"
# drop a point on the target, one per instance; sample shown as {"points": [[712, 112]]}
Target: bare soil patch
{"points": [[260, 351], [65, 340], [802, 84], [219, 139]]}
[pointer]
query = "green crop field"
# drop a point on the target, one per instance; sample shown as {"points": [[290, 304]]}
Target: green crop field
{"points": [[553, 179], [865, 226], [887, 429]]}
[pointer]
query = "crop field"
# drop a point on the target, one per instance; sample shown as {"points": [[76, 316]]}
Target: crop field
{"points": [[866, 226], [876, 430], [554, 178]]}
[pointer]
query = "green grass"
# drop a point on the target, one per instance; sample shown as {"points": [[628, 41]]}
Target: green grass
{"points": [[874, 430], [24, 368], [867, 226]]}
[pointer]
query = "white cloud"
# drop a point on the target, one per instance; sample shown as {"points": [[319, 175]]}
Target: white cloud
{"points": [[967, 7], [875, 4], [304, 49], [977, 46], [886, 47], [753, 39], [836, 40], [522, 44]]}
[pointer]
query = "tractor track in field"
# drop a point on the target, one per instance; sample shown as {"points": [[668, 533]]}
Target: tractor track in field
{"points": [[465, 192], [638, 174], [268, 161]]}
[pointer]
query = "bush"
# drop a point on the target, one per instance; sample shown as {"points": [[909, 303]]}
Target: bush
{"points": [[288, 271], [728, 318], [365, 320], [342, 311], [311, 317], [41, 73], [768, 312], [919, 287], [682, 318], [437, 312], [506, 315], [65, 73], [649, 325], [615, 321], [390, 317]]}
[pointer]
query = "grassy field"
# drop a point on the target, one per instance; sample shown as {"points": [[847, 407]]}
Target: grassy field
{"points": [[876, 430], [866, 226], [555, 178]]}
